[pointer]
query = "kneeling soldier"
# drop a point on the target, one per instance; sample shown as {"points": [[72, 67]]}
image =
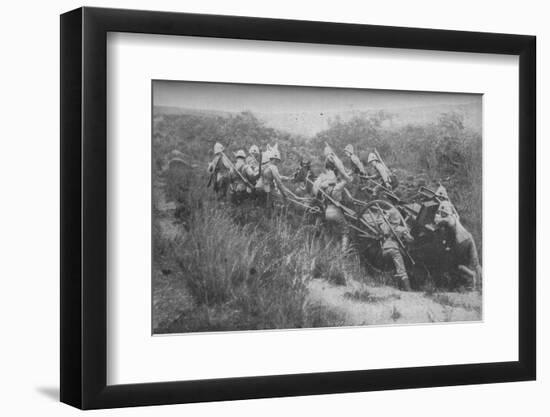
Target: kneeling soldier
{"points": [[463, 247]]}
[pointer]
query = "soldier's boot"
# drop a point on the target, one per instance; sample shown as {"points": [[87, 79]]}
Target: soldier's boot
{"points": [[406, 284], [468, 276]]}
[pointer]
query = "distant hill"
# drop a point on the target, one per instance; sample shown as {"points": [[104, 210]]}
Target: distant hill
{"points": [[160, 110], [310, 123]]}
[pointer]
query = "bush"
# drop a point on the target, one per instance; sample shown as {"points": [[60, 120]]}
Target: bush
{"points": [[249, 278]]}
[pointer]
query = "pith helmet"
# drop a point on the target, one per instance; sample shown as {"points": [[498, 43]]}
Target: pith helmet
{"points": [[265, 156], [446, 208], [240, 154], [394, 217], [274, 153], [372, 157], [254, 150], [218, 147], [442, 192], [349, 149]]}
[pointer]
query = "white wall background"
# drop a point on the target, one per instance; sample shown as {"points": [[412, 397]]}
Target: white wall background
{"points": [[29, 172]]}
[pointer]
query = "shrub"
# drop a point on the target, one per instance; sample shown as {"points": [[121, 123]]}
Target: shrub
{"points": [[249, 277]]}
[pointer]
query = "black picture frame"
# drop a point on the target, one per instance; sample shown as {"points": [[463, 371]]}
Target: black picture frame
{"points": [[84, 207]]}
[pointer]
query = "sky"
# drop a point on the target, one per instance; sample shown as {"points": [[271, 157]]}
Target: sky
{"points": [[290, 99]]}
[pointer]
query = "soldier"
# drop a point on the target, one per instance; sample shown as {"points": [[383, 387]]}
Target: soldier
{"points": [[250, 172], [442, 194], [240, 175], [333, 163], [252, 158], [393, 231], [381, 171], [303, 176], [463, 248], [329, 189], [219, 170], [270, 182], [357, 166]]}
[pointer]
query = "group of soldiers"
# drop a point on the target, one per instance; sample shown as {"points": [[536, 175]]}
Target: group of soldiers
{"points": [[258, 171], [250, 174], [255, 177]]}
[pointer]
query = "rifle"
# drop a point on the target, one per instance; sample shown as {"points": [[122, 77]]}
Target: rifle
{"points": [[389, 192], [399, 241], [260, 166], [391, 175], [238, 172], [301, 202], [381, 160], [427, 192], [214, 171]]}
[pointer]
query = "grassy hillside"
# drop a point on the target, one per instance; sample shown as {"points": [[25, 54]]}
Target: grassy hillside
{"points": [[224, 268]]}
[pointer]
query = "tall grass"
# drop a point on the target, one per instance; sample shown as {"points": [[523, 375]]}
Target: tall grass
{"points": [[247, 277]]}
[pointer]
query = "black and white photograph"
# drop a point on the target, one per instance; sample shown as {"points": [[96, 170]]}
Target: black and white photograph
{"points": [[284, 207]]}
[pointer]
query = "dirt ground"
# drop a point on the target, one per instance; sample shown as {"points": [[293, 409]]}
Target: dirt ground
{"points": [[362, 305]]}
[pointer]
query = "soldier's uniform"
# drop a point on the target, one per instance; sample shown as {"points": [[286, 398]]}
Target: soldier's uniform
{"points": [[252, 162], [242, 178], [251, 159], [238, 183], [270, 185], [334, 164], [463, 250], [391, 248], [380, 170], [220, 168], [358, 172], [271, 179], [441, 192], [303, 176], [328, 183], [357, 166]]}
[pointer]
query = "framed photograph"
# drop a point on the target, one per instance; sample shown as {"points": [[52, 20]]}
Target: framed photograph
{"points": [[256, 208]]}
